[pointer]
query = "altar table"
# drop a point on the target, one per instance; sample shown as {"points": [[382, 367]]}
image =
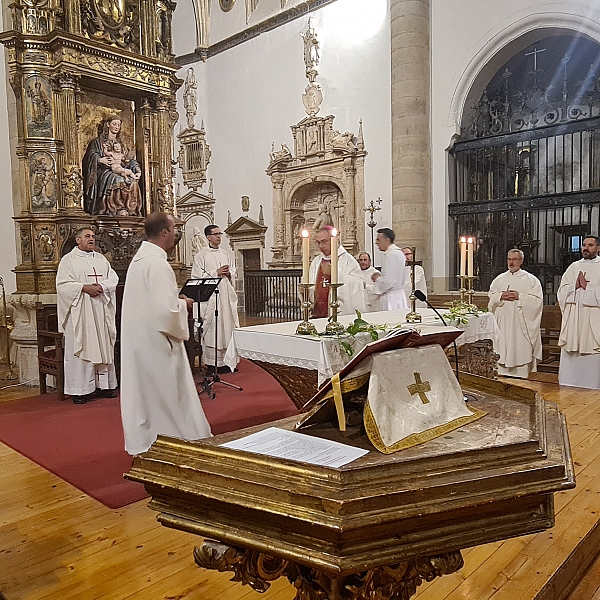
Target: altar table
{"points": [[302, 363]]}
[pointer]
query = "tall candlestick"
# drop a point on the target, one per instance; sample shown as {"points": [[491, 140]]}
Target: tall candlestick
{"points": [[334, 255], [470, 245], [463, 256], [305, 255]]}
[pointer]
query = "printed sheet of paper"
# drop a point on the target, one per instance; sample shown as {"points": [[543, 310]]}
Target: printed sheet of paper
{"points": [[281, 443]]}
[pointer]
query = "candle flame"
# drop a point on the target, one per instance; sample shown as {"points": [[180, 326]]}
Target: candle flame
{"points": [[463, 239], [470, 241], [305, 233], [334, 232]]}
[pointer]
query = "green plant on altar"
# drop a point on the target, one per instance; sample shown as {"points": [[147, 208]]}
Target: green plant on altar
{"points": [[359, 325], [459, 311]]}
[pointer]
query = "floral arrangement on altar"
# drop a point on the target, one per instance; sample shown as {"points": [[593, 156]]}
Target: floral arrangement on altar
{"points": [[459, 311]]}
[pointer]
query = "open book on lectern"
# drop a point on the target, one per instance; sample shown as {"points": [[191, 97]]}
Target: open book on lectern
{"points": [[400, 390], [202, 289]]}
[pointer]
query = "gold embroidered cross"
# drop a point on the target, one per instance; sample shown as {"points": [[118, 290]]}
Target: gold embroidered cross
{"points": [[420, 387]]}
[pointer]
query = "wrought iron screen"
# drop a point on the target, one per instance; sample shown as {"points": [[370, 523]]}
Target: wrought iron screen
{"points": [[273, 294], [526, 171]]}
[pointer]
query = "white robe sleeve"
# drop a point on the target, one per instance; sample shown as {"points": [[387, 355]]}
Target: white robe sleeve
{"points": [[350, 295], [495, 294], [393, 275], [170, 310], [68, 290]]}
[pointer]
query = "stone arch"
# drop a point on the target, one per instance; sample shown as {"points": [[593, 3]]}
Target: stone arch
{"points": [[506, 44]]}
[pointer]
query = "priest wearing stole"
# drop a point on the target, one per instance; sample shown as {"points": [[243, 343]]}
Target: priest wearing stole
{"points": [[158, 393], [390, 284], [579, 299], [516, 300], [85, 290], [216, 262], [350, 294]]}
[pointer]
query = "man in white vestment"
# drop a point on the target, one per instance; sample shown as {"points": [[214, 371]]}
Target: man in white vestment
{"points": [[158, 393], [216, 262], [420, 283], [366, 272], [86, 303], [389, 285], [351, 294], [579, 299], [516, 300]]}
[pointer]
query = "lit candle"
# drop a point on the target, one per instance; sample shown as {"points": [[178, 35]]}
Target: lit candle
{"points": [[463, 256], [470, 245], [334, 255], [305, 255]]}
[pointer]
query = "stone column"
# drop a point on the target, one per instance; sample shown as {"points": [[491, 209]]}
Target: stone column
{"points": [[349, 237], [279, 247], [411, 155]]}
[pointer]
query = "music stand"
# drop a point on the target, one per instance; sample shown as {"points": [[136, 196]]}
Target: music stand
{"points": [[201, 290]]}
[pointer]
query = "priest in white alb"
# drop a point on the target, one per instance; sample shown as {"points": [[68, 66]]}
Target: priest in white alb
{"points": [[158, 393], [579, 299], [390, 284], [366, 272], [351, 294], [216, 262], [86, 303], [516, 300]]}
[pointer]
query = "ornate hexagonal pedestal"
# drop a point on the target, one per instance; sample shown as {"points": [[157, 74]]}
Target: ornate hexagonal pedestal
{"points": [[378, 526]]}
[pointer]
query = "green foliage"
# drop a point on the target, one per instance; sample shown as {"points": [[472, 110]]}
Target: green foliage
{"points": [[459, 311]]}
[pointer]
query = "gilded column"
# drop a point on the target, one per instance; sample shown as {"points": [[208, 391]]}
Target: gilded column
{"points": [[162, 152], [69, 171], [411, 156]]}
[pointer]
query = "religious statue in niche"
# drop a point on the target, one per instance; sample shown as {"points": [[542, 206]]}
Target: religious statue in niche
{"points": [[324, 218], [38, 107], [110, 21], [111, 174], [199, 241], [189, 98], [298, 224], [45, 243], [311, 51], [43, 181]]}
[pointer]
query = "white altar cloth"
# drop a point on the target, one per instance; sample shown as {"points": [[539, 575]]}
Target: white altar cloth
{"points": [[277, 343]]}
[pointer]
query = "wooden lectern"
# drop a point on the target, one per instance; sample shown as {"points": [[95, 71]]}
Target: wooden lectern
{"points": [[376, 527]]}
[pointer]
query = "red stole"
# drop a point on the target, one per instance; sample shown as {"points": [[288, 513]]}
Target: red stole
{"points": [[321, 307]]}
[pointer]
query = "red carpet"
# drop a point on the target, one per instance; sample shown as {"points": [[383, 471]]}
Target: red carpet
{"points": [[84, 444]]}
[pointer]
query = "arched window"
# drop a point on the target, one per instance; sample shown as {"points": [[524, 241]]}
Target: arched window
{"points": [[526, 169]]}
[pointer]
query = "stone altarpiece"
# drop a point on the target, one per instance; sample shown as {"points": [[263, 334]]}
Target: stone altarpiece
{"points": [[71, 64], [322, 183]]}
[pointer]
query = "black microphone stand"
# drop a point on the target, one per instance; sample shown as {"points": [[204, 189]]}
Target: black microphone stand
{"points": [[423, 298], [215, 376]]}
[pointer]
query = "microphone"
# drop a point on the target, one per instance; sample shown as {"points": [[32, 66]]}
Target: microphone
{"points": [[423, 298]]}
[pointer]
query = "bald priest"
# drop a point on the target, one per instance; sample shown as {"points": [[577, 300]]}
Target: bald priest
{"points": [[579, 299], [516, 299]]}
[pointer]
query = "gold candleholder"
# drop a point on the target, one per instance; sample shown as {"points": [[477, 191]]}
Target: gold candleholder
{"points": [[466, 293], [413, 316], [306, 327], [333, 327]]}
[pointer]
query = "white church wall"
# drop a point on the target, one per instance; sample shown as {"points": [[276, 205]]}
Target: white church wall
{"points": [[250, 95], [465, 36]]}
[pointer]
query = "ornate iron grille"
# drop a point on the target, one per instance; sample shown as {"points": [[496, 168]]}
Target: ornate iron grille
{"points": [[526, 172], [273, 294]]}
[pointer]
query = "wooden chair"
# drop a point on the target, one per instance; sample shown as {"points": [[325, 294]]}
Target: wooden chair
{"points": [[550, 327], [50, 348]]}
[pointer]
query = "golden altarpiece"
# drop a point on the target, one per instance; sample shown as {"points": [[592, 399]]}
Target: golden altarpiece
{"points": [[90, 79]]}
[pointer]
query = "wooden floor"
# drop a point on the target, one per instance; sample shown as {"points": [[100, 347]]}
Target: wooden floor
{"points": [[57, 543]]}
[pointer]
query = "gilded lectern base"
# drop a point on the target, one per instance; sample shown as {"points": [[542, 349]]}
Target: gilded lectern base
{"points": [[390, 582], [378, 526]]}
